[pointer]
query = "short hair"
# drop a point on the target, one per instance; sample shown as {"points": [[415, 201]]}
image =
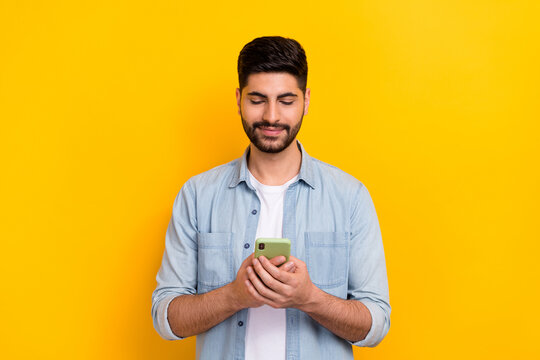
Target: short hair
{"points": [[273, 54]]}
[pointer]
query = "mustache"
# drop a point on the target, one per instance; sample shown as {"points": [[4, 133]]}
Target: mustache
{"points": [[267, 124]]}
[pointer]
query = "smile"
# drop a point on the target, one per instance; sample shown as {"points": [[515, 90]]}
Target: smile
{"points": [[271, 131]]}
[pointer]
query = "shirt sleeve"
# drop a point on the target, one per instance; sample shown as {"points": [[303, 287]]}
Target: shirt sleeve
{"points": [[178, 272], [368, 282]]}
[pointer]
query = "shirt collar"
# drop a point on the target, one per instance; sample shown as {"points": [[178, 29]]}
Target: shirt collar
{"points": [[240, 173]]}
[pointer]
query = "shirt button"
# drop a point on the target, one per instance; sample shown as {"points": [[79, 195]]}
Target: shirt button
{"points": [[246, 246], [254, 212], [240, 323]]}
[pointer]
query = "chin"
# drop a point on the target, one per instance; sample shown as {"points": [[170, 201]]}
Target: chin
{"points": [[273, 146]]}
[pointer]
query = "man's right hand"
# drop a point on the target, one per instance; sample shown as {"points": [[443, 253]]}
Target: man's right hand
{"points": [[241, 296]]}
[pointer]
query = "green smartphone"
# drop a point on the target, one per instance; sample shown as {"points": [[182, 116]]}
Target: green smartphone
{"points": [[272, 247]]}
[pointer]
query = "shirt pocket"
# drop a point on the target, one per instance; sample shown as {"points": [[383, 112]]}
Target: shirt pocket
{"points": [[327, 258], [215, 265]]}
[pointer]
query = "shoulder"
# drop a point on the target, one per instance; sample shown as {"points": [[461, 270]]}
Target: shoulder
{"points": [[330, 175], [215, 176], [202, 185], [341, 187]]}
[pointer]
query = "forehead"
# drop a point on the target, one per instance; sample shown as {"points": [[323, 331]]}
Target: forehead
{"points": [[272, 83]]}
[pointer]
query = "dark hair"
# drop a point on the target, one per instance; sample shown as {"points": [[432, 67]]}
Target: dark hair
{"points": [[273, 54]]}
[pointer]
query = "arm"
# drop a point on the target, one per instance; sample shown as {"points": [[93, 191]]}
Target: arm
{"points": [[177, 310], [348, 319], [174, 280], [368, 282], [193, 314]]}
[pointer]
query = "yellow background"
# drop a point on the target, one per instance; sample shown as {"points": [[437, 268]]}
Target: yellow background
{"points": [[108, 107]]}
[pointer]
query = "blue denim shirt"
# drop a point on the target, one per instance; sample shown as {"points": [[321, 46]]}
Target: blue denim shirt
{"points": [[330, 219]]}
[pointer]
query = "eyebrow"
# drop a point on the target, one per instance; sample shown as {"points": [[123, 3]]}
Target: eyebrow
{"points": [[288, 94]]}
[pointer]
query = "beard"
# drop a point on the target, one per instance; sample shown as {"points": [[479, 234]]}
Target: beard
{"points": [[271, 144]]}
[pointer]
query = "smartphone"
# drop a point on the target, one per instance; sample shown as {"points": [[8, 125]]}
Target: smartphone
{"points": [[272, 247]]}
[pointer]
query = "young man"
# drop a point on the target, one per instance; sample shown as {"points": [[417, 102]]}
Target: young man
{"points": [[333, 291]]}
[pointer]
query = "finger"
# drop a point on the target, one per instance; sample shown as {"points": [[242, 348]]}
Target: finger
{"points": [[271, 275], [288, 267], [280, 274], [297, 262], [255, 278], [253, 292], [247, 260], [277, 260], [249, 269], [260, 286], [258, 297], [270, 267]]}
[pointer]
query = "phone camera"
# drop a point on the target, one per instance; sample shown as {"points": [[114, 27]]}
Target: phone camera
{"points": [[261, 246]]}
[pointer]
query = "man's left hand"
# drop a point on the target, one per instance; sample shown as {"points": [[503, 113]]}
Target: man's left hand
{"points": [[278, 287]]}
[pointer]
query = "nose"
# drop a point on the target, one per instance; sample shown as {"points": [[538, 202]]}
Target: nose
{"points": [[271, 112]]}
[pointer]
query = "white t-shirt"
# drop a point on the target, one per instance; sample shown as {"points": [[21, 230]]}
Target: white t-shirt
{"points": [[266, 326]]}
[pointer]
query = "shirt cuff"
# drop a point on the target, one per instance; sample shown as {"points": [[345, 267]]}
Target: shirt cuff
{"points": [[378, 326], [163, 326]]}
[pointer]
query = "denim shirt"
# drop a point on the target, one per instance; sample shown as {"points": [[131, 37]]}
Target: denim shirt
{"points": [[330, 219]]}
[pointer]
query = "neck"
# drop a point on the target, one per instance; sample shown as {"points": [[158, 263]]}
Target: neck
{"points": [[275, 169]]}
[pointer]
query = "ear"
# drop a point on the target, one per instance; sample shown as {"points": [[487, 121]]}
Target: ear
{"points": [[238, 98], [306, 100]]}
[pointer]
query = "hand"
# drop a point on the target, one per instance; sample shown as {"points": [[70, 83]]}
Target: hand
{"points": [[240, 286], [278, 287]]}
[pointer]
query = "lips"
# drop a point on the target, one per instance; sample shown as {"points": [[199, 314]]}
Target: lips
{"points": [[271, 130]]}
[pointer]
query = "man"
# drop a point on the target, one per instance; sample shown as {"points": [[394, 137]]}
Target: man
{"points": [[333, 291]]}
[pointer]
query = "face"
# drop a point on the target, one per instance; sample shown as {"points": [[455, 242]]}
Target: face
{"points": [[272, 106]]}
